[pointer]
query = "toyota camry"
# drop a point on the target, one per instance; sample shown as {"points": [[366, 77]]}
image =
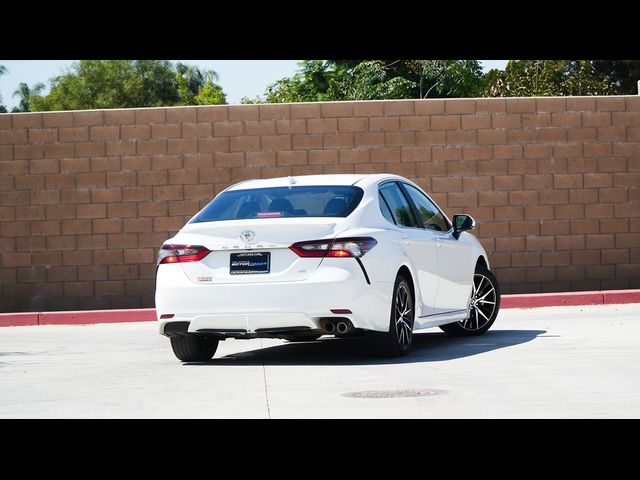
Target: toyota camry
{"points": [[301, 257]]}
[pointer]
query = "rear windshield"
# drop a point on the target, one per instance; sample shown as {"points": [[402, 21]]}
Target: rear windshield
{"points": [[277, 202]]}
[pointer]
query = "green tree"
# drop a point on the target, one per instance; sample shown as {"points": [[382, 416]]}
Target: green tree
{"points": [[449, 78], [210, 94], [3, 70], [198, 87], [370, 80], [531, 78], [624, 74], [91, 84], [190, 78], [25, 94], [252, 101], [326, 80], [310, 84], [320, 80]]}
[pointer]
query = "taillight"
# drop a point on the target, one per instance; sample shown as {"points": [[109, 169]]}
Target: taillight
{"points": [[354, 247], [181, 253], [311, 249]]}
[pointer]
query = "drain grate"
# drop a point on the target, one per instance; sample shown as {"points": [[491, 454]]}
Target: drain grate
{"points": [[422, 392]]}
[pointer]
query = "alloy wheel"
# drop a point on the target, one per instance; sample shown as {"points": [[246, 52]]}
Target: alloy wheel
{"points": [[403, 316], [483, 303]]}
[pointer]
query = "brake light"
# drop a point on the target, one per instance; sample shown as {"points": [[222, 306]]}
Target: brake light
{"points": [[354, 247], [182, 253], [341, 253]]}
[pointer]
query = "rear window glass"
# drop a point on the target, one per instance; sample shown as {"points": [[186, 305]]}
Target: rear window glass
{"points": [[278, 202]]}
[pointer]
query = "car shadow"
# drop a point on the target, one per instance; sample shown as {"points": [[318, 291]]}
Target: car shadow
{"points": [[427, 347]]}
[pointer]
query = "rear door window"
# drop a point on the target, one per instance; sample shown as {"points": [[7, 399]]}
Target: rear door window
{"points": [[432, 218], [398, 204], [384, 208]]}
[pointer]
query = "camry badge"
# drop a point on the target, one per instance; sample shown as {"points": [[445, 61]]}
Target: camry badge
{"points": [[248, 235]]}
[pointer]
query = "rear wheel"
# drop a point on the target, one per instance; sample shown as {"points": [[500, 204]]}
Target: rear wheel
{"points": [[485, 303], [397, 341], [194, 348]]}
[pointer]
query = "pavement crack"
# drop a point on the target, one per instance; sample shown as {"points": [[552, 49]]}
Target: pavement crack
{"points": [[266, 389]]}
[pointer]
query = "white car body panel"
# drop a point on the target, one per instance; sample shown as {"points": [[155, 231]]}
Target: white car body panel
{"points": [[298, 292]]}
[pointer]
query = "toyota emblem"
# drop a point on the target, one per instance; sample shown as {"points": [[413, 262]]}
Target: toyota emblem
{"points": [[248, 235]]}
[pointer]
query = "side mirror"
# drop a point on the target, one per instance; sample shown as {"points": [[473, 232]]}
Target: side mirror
{"points": [[462, 223]]}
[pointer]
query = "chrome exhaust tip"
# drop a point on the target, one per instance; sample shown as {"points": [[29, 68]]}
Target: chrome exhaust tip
{"points": [[330, 327], [342, 327]]}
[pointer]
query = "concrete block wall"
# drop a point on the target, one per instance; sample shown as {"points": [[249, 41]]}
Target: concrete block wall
{"points": [[87, 197]]}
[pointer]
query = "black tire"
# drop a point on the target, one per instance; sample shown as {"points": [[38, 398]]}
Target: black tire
{"points": [[482, 313], [397, 341], [194, 348], [302, 338]]}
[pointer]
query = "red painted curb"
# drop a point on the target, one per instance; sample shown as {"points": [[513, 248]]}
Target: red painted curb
{"points": [[81, 317], [18, 319], [621, 296], [551, 299], [532, 300], [605, 297], [97, 316]]}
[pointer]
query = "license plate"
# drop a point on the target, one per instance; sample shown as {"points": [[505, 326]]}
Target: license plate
{"points": [[243, 263]]}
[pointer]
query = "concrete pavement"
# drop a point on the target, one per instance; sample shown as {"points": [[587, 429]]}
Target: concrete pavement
{"points": [[546, 362]]}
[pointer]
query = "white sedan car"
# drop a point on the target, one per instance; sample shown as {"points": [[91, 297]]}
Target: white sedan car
{"points": [[301, 257]]}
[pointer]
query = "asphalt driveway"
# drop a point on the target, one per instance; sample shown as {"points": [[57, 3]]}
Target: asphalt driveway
{"points": [[545, 362]]}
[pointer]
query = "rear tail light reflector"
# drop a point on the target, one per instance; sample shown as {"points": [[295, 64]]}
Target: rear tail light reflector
{"points": [[182, 253], [354, 247]]}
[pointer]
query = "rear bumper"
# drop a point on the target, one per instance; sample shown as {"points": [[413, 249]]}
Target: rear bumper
{"points": [[258, 307]]}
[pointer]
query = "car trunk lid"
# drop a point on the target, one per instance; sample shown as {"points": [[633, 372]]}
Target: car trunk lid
{"points": [[251, 244]]}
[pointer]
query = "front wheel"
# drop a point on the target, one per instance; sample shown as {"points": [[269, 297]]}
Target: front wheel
{"points": [[484, 306], [397, 341], [194, 348]]}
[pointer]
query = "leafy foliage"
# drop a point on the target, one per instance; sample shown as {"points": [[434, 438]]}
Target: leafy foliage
{"points": [[320, 80], [449, 78], [624, 74], [252, 101], [91, 84], [311, 84], [370, 80], [210, 94], [197, 87], [531, 78], [26, 93]]}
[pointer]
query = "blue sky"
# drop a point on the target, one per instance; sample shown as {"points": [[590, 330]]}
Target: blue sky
{"points": [[239, 78]]}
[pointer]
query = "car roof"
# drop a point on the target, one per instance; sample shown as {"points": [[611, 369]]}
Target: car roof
{"points": [[361, 180]]}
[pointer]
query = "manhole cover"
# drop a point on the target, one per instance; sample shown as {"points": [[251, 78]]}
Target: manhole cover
{"points": [[422, 392]]}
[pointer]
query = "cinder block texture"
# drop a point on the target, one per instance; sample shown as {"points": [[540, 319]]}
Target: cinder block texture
{"points": [[86, 198]]}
